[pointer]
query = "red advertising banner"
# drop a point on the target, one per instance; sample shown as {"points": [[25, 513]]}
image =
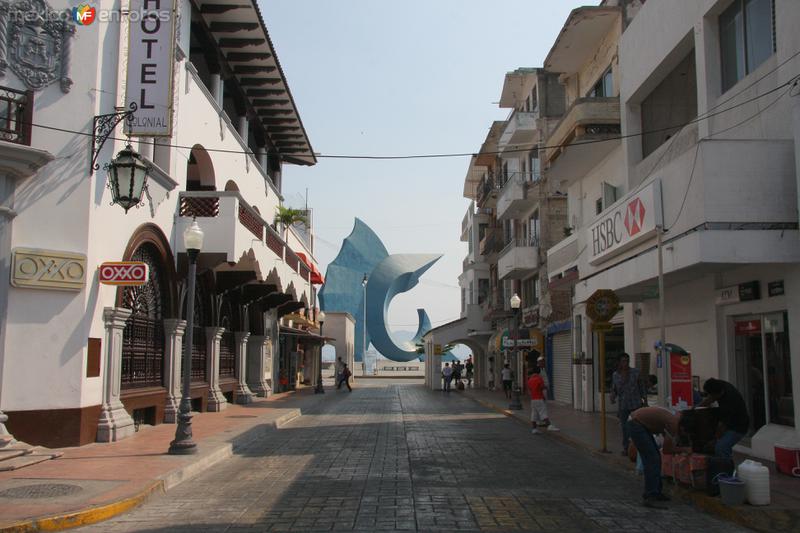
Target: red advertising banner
{"points": [[128, 273], [680, 375]]}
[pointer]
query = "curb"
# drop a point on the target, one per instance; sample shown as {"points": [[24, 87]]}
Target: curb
{"points": [[92, 515], [757, 519]]}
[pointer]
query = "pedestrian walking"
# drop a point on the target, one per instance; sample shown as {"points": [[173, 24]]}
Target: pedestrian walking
{"points": [[507, 376], [338, 369], [537, 388], [470, 368], [643, 424], [457, 373], [734, 422], [447, 376], [346, 377], [629, 390], [541, 363]]}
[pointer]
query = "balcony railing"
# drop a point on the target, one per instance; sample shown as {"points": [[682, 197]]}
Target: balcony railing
{"points": [[16, 115]]}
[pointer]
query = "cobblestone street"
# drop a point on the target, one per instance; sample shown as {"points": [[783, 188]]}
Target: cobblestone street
{"points": [[392, 456]]}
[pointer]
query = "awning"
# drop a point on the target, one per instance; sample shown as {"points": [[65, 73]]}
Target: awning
{"points": [[304, 335], [316, 276]]}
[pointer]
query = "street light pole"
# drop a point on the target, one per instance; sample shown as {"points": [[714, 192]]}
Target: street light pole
{"points": [[183, 443], [321, 319], [364, 340], [516, 404]]}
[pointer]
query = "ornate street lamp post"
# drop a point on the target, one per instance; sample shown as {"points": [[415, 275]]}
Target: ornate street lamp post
{"points": [[319, 389], [183, 443], [516, 390]]}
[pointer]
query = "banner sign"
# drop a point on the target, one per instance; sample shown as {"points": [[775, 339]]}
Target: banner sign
{"points": [[151, 57], [680, 375], [625, 224], [127, 273]]}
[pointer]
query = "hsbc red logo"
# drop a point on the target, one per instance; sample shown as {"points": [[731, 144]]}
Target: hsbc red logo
{"points": [[128, 273], [634, 217]]}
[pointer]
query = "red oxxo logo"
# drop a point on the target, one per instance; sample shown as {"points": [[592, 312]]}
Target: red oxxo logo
{"points": [[634, 217], [129, 273]]}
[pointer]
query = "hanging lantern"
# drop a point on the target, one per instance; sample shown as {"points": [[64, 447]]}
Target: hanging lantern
{"points": [[127, 178]]}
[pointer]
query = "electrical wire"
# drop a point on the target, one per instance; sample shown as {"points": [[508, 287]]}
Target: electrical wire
{"points": [[697, 119]]}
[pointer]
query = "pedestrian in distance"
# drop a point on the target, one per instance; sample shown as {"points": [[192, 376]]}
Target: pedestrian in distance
{"points": [[507, 376], [629, 390], [346, 377], [470, 368], [457, 372], [447, 376], [734, 422], [643, 424], [537, 388], [338, 369]]}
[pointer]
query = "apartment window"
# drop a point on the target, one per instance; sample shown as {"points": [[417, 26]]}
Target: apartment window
{"points": [[536, 169], [747, 38], [535, 229], [530, 291], [471, 292], [482, 229], [483, 290], [598, 206], [604, 86]]}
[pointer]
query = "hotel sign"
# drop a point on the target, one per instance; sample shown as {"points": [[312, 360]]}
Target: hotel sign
{"points": [[47, 269], [625, 224], [151, 58]]}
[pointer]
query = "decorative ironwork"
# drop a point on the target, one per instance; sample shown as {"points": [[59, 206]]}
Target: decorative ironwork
{"points": [[35, 43], [143, 337], [251, 222], [199, 206], [16, 115], [227, 355], [102, 128]]}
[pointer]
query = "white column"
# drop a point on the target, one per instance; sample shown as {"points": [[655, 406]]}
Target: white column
{"points": [[216, 401], [243, 128], [173, 355], [217, 88], [242, 394], [262, 158], [115, 422], [257, 348]]}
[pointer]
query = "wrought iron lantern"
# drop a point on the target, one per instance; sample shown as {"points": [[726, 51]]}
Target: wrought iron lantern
{"points": [[127, 178]]}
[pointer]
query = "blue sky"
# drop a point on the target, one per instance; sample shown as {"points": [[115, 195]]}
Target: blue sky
{"points": [[381, 77]]}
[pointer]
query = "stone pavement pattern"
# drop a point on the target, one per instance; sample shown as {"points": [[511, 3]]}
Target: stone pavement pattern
{"points": [[397, 457]]}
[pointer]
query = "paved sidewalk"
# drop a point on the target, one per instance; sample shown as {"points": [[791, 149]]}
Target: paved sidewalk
{"points": [[97, 481], [582, 430]]}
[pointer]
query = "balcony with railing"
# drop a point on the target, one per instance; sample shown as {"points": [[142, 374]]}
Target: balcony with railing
{"points": [[491, 240], [517, 195], [518, 258], [16, 115], [520, 131], [233, 228], [563, 255], [588, 132], [487, 192]]}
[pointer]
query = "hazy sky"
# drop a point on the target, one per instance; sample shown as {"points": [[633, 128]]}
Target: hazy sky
{"points": [[381, 77]]}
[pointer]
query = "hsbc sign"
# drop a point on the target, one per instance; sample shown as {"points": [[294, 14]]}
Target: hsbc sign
{"points": [[128, 273], [629, 221]]}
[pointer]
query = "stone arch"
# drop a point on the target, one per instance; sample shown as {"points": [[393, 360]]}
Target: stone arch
{"points": [[200, 174], [152, 235]]}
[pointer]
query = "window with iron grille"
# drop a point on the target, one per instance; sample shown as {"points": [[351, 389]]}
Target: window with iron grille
{"points": [[143, 336]]}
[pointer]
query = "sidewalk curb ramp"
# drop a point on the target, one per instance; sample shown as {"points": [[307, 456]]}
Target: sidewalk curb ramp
{"points": [[759, 519], [204, 460]]}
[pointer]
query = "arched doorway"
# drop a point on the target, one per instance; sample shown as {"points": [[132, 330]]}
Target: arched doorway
{"points": [[143, 338], [200, 174]]}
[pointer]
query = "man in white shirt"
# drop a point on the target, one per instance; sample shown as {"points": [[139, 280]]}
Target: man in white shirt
{"points": [[447, 375], [507, 376]]}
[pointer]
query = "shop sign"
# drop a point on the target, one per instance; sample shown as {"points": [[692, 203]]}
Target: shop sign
{"points": [[47, 269], [743, 292], [530, 315], [528, 338], [680, 375], [748, 327], [126, 273], [602, 305], [775, 288], [437, 349], [151, 57], [625, 224]]}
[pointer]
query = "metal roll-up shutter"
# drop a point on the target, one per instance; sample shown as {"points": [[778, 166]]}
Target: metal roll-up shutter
{"points": [[562, 367]]}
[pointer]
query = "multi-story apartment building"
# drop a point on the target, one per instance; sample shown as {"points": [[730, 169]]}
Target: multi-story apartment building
{"points": [[702, 186], [82, 360]]}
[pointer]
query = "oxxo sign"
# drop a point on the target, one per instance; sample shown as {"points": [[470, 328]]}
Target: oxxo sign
{"points": [[150, 62], [127, 273], [629, 221]]}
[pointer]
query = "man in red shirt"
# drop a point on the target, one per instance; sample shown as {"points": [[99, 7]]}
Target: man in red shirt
{"points": [[536, 386]]}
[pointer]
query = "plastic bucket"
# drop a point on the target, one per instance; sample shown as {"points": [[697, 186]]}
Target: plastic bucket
{"points": [[731, 490]]}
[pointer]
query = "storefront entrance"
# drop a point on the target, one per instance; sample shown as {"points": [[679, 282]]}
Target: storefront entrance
{"points": [[763, 368]]}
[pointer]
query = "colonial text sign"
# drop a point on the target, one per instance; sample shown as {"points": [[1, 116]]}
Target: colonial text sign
{"points": [[127, 273], [151, 57], [47, 269], [626, 223]]}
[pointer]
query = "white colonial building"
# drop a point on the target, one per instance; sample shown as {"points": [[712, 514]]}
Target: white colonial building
{"points": [[80, 360]]}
